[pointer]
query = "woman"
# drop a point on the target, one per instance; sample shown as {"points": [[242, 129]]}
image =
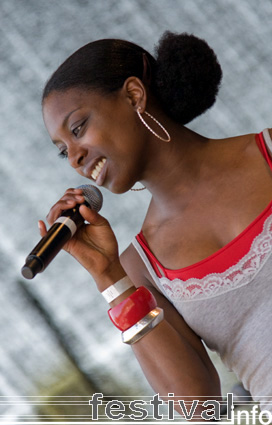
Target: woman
{"points": [[119, 116]]}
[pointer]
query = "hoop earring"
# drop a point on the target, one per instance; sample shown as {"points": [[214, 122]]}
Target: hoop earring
{"points": [[138, 190], [168, 139]]}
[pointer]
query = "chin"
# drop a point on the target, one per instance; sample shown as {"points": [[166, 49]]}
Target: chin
{"points": [[119, 191], [119, 188]]}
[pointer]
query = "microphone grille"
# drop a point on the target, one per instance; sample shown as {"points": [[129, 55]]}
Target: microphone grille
{"points": [[92, 195]]}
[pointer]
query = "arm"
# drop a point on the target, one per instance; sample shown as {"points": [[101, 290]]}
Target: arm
{"points": [[172, 356]]}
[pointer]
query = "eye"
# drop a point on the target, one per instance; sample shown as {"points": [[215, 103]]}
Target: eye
{"points": [[77, 129], [63, 153]]}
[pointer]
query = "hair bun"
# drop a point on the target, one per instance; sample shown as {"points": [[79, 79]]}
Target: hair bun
{"points": [[187, 76]]}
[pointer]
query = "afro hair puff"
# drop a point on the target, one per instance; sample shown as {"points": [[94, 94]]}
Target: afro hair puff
{"points": [[187, 76]]}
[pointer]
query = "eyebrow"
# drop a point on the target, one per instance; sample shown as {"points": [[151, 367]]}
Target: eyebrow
{"points": [[65, 121], [68, 115]]}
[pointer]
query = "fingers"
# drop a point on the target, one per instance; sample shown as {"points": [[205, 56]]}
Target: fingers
{"points": [[70, 199], [42, 228], [89, 215]]}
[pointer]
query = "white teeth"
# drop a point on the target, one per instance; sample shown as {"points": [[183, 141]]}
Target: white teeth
{"points": [[98, 168], [95, 174]]}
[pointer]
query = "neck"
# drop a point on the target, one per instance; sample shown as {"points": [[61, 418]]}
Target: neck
{"points": [[174, 167]]}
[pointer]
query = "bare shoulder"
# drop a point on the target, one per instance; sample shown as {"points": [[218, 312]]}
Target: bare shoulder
{"points": [[137, 271], [135, 267]]}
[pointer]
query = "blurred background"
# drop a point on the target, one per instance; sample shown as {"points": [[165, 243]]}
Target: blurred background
{"points": [[56, 338]]}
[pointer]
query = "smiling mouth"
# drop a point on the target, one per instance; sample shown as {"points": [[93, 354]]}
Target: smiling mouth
{"points": [[98, 168]]}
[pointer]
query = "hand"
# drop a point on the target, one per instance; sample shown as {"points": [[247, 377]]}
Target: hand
{"points": [[94, 244]]}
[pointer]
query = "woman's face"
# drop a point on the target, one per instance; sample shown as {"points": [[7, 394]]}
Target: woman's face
{"points": [[101, 136]]}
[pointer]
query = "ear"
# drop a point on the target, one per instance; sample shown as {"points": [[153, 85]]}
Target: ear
{"points": [[135, 92]]}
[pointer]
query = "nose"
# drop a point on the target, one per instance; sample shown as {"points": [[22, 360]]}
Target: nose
{"points": [[76, 156]]}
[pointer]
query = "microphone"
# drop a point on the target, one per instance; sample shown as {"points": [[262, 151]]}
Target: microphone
{"points": [[60, 232]]}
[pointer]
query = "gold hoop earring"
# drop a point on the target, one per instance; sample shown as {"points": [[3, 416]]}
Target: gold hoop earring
{"points": [[167, 139]]}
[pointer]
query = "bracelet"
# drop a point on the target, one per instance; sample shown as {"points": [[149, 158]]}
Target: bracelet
{"points": [[145, 325], [132, 309], [117, 289]]}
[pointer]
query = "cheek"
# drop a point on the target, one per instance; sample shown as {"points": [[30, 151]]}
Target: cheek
{"points": [[130, 140]]}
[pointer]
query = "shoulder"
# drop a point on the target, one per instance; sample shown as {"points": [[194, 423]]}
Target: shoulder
{"points": [[140, 276], [135, 267], [138, 273]]}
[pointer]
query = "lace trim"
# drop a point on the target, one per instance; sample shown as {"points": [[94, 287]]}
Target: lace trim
{"points": [[236, 276]]}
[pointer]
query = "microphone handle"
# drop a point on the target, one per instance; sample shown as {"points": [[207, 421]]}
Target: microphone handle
{"points": [[50, 245]]}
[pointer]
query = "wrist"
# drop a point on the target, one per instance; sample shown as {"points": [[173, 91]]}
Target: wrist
{"points": [[136, 315], [133, 310], [114, 274], [119, 291]]}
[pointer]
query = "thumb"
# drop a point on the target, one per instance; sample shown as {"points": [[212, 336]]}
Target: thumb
{"points": [[92, 216]]}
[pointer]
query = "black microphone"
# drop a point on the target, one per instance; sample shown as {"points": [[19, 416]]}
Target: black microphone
{"points": [[60, 232]]}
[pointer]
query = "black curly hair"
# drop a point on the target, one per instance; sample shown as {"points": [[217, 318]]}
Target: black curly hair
{"points": [[184, 75], [187, 76]]}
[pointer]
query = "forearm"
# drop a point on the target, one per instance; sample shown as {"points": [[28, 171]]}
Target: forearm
{"points": [[172, 365], [172, 357], [175, 361]]}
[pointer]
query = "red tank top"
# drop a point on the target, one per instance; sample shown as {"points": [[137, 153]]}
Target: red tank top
{"points": [[225, 257]]}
